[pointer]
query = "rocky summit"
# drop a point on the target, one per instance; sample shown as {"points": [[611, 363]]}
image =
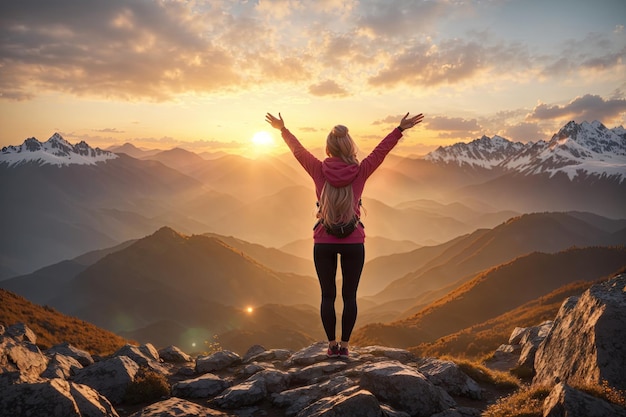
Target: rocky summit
{"points": [[581, 344]]}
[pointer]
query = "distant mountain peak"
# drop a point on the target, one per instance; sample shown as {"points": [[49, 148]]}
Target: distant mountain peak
{"points": [[577, 149], [55, 151]]}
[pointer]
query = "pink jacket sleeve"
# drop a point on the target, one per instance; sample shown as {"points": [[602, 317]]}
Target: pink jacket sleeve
{"points": [[377, 156], [309, 162]]}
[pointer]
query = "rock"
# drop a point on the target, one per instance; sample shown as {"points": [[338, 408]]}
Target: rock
{"points": [[448, 375], [21, 333], [275, 380], [530, 340], [54, 398], [21, 358], [309, 355], [174, 355], [404, 388], [516, 335], [270, 355], [176, 407], [150, 352], [65, 349], [61, 366], [360, 403], [205, 386], [390, 412], [564, 401], [296, 399], [582, 345], [459, 412], [143, 356], [110, 377], [252, 352], [317, 370], [387, 352], [217, 361], [241, 395]]}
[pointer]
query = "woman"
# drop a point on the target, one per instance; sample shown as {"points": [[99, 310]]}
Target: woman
{"points": [[339, 182]]}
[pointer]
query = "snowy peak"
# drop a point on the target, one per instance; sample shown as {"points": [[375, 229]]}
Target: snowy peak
{"points": [[583, 150], [54, 151], [485, 152], [593, 137]]}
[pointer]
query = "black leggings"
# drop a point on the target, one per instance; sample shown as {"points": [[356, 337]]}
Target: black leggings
{"points": [[352, 259]]}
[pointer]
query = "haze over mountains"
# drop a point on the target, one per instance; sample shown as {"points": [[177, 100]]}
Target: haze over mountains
{"points": [[172, 247]]}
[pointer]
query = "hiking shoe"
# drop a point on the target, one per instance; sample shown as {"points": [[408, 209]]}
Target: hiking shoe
{"points": [[343, 352], [333, 351]]}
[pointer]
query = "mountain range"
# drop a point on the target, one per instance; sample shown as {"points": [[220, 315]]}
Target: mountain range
{"points": [[61, 200], [173, 288]]}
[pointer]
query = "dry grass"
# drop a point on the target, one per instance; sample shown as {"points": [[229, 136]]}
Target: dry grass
{"points": [[52, 327], [481, 374], [528, 401], [525, 402]]}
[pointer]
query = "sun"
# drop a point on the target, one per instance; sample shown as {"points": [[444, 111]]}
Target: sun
{"points": [[262, 139], [249, 310]]}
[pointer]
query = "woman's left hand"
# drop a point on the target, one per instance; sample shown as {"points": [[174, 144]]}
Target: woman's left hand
{"points": [[277, 123]]}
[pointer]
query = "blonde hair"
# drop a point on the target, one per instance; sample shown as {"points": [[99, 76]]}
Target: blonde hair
{"points": [[337, 203]]}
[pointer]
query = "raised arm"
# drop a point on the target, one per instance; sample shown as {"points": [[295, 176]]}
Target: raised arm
{"points": [[376, 157], [309, 162]]}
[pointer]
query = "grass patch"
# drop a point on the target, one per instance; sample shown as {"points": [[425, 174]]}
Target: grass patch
{"points": [[525, 402], [148, 386], [481, 374]]}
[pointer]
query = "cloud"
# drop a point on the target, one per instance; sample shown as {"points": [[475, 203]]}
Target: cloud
{"points": [[451, 61], [586, 108], [524, 132], [456, 124], [108, 130], [327, 88]]}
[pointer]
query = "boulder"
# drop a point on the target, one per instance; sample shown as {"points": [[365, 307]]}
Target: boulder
{"points": [[404, 388], [150, 351], [21, 333], [299, 398], [61, 366], [401, 355], [564, 401], [530, 340], [309, 355], [252, 352], [275, 380], [110, 377], [143, 356], [349, 404], [217, 361], [177, 407], [174, 355], [205, 386], [459, 412], [65, 349], [269, 355], [54, 398], [448, 375], [582, 345], [314, 372], [22, 359], [241, 395]]}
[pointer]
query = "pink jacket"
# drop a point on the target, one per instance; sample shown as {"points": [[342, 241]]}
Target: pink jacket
{"points": [[340, 174]]}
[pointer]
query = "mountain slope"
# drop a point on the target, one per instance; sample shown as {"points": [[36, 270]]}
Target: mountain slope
{"points": [[545, 232], [52, 327], [494, 292], [193, 280]]}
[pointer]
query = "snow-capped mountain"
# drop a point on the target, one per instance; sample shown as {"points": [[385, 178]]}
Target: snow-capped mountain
{"points": [[485, 152], [577, 150], [54, 151]]}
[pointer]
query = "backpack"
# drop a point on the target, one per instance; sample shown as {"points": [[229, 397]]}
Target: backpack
{"points": [[340, 230]]}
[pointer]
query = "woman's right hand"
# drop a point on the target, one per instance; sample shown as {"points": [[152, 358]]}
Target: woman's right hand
{"points": [[410, 122], [277, 123]]}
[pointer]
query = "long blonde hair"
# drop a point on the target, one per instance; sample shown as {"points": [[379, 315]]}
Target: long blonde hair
{"points": [[337, 203]]}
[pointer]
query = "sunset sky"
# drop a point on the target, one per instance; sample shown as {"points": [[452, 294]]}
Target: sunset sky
{"points": [[202, 74]]}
